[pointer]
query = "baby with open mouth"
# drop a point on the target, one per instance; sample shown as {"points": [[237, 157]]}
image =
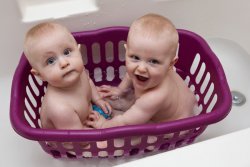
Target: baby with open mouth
{"points": [[159, 94]]}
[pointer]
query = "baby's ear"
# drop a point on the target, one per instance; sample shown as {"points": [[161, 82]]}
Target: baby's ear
{"points": [[125, 46], [79, 46], [175, 59], [172, 63], [36, 73]]}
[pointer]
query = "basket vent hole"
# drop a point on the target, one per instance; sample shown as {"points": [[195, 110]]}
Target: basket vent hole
{"points": [[122, 51], [168, 136], [118, 153], [134, 151], [101, 144], [179, 143], [164, 146], [212, 104], [29, 120], [33, 86], [122, 72], [205, 83], [55, 153], [187, 80], [98, 74], [195, 63], [119, 143], [83, 50], [96, 53], [39, 81], [197, 97], [200, 108], [109, 51], [135, 141], [68, 145], [40, 123], [31, 97], [29, 108], [192, 88], [209, 93], [201, 73], [197, 109], [51, 144], [87, 154], [102, 154], [71, 154], [84, 145], [151, 139], [149, 149], [44, 89], [110, 73]]}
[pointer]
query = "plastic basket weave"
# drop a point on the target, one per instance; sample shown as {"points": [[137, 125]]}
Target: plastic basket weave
{"points": [[103, 54]]}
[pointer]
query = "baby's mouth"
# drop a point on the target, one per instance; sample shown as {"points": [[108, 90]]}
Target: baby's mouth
{"points": [[67, 73], [141, 78]]}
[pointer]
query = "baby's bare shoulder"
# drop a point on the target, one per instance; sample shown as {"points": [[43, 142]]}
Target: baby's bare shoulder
{"points": [[152, 100]]}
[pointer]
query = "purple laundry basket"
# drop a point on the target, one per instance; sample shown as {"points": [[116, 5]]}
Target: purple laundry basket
{"points": [[103, 54]]}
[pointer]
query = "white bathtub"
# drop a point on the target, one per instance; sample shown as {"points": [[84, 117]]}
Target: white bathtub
{"points": [[211, 18]]}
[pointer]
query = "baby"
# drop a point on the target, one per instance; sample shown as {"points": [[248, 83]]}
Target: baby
{"points": [[160, 94], [55, 57]]}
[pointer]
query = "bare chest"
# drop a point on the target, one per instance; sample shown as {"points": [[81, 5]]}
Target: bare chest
{"points": [[81, 103]]}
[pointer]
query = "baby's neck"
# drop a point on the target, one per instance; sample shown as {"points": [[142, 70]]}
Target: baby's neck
{"points": [[70, 88]]}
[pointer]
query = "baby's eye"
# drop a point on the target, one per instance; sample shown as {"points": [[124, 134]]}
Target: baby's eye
{"points": [[50, 60], [154, 61], [134, 57], [66, 52]]}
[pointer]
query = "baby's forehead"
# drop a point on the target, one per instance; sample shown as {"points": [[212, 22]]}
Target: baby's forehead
{"points": [[51, 37]]}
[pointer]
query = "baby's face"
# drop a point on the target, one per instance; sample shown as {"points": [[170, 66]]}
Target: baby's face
{"points": [[147, 61], [56, 59]]}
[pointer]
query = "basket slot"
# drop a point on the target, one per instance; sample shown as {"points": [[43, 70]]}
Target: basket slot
{"points": [[212, 103], [109, 52]]}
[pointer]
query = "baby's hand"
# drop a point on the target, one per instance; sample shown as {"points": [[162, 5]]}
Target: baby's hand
{"points": [[109, 91], [104, 105], [95, 120]]}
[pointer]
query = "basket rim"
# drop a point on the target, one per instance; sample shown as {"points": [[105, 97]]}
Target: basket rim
{"points": [[115, 132]]}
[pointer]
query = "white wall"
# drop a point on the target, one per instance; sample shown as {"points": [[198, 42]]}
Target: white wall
{"points": [[210, 18]]}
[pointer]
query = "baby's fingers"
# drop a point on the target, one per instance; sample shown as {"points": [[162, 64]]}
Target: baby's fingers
{"points": [[108, 108], [90, 123], [105, 87], [105, 94], [93, 116]]}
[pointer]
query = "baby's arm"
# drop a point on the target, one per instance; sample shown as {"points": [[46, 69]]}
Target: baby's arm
{"points": [[97, 99], [139, 113]]}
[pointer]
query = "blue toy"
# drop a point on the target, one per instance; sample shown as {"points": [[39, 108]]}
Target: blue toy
{"points": [[99, 110]]}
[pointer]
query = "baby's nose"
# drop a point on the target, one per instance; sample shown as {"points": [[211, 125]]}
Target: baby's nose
{"points": [[142, 67], [63, 62]]}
